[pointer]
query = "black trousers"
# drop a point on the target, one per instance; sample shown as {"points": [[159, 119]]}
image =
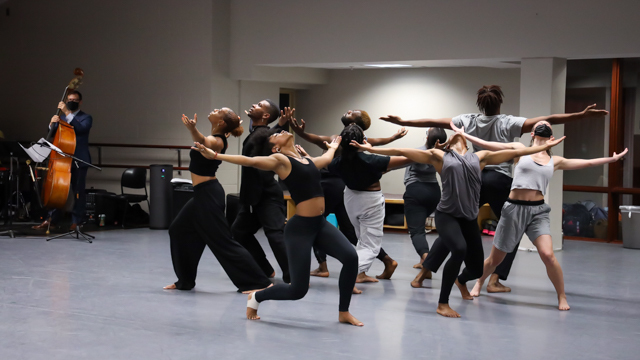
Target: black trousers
{"points": [[301, 234], [495, 191], [333, 189], [420, 200], [269, 214], [200, 223], [461, 238], [78, 184]]}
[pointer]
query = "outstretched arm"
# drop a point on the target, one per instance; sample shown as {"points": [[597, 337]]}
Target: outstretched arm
{"points": [[561, 163], [563, 118], [398, 162], [324, 160], [384, 141], [268, 163], [318, 140], [196, 135], [441, 123], [420, 156], [487, 145], [498, 157]]}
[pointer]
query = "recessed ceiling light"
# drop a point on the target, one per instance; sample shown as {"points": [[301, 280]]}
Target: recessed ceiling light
{"points": [[388, 65]]}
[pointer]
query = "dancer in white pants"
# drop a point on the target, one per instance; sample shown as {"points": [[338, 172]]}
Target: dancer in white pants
{"points": [[363, 197]]}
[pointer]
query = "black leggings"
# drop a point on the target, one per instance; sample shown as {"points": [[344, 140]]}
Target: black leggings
{"points": [[333, 189], [420, 200], [461, 238], [200, 223], [300, 235], [495, 191]]}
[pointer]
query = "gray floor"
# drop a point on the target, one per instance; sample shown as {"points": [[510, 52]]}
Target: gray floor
{"points": [[71, 300]]}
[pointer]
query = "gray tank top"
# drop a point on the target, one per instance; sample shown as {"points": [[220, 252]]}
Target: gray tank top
{"points": [[417, 172], [461, 182], [530, 175]]}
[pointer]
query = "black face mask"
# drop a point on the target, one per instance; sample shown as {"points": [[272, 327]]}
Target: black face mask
{"points": [[543, 130], [73, 105]]}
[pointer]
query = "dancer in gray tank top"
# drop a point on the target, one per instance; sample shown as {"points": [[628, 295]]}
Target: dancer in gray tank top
{"points": [[525, 210], [457, 212], [491, 125]]}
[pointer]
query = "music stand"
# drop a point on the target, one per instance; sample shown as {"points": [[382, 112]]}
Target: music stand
{"points": [[77, 232], [15, 153]]}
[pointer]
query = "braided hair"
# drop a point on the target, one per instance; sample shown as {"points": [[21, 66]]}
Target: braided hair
{"points": [[490, 99], [349, 133]]}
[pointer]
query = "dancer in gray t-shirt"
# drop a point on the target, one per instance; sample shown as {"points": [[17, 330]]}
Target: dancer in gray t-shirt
{"points": [[490, 125]]}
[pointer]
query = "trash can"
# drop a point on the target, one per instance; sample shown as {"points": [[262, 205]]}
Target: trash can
{"points": [[630, 226]]}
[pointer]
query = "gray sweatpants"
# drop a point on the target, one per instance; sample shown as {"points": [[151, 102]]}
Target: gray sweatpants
{"points": [[366, 212]]}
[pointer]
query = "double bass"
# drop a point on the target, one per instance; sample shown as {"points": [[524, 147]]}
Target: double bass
{"points": [[57, 182]]}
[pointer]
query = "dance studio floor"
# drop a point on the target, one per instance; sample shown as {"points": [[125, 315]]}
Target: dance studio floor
{"points": [[72, 300]]}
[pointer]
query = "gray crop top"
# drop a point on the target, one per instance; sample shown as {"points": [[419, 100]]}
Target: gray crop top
{"points": [[530, 175]]}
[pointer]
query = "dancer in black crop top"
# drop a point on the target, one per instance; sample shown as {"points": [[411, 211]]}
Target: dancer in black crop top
{"points": [[202, 222], [307, 228]]}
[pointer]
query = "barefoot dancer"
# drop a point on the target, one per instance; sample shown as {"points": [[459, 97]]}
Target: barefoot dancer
{"points": [[333, 188], [307, 228], [421, 196], [525, 210], [202, 222], [490, 125], [457, 212], [363, 197]]}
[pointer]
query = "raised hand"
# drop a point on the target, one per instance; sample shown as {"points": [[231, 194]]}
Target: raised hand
{"points": [[301, 151], [297, 126], [205, 151], [287, 113], [457, 130], [190, 123], [364, 146], [439, 146], [553, 142], [592, 111], [617, 157], [401, 133], [392, 119], [334, 143]]}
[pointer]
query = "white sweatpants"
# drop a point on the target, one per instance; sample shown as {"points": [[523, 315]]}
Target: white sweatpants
{"points": [[366, 212]]}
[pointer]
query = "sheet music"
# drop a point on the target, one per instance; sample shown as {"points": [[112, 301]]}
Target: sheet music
{"points": [[37, 152]]}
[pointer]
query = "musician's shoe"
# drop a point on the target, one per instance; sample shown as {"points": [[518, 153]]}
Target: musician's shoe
{"points": [[74, 227], [44, 226]]}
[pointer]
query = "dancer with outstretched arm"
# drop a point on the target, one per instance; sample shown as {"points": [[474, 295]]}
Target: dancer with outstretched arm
{"points": [[491, 125], [307, 228], [202, 221], [525, 211], [457, 212]]}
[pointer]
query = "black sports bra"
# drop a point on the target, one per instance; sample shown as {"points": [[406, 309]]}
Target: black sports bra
{"points": [[202, 166], [303, 181]]}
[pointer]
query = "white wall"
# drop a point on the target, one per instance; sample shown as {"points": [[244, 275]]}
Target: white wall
{"points": [[409, 93], [330, 31]]}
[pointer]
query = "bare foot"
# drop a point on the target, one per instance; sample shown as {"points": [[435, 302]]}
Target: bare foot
{"points": [[356, 290], [419, 265], [345, 317], [363, 278], [464, 291], [252, 291], [390, 266], [321, 271], [477, 288], [494, 285], [446, 311], [422, 275], [252, 314], [563, 305], [170, 287]]}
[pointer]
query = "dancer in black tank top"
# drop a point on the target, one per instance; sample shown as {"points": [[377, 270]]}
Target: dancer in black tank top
{"points": [[307, 228], [202, 222]]}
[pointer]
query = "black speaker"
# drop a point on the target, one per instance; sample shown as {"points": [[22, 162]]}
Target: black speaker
{"points": [[160, 196], [182, 193]]}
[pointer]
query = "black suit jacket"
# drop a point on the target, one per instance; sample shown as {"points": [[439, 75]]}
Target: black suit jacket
{"points": [[81, 123], [257, 184]]}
